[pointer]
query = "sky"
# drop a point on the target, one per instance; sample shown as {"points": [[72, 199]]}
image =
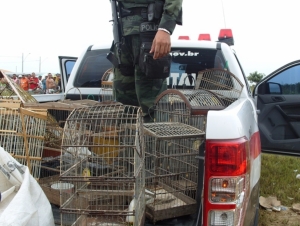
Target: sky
{"points": [[265, 31]]}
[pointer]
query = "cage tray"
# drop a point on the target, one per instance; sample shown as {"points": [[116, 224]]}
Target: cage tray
{"points": [[169, 204]]}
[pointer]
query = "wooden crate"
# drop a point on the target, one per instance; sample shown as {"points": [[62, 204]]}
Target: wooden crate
{"points": [[89, 213], [84, 220]]}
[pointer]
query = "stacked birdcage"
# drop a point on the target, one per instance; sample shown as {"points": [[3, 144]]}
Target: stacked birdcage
{"points": [[186, 106], [172, 143], [22, 134], [102, 166], [215, 89], [171, 169], [222, 83]]}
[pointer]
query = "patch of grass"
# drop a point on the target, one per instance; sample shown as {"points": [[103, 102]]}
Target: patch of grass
{"points": [[278, 178]]}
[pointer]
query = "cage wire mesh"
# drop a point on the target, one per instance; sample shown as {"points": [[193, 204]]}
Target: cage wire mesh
{"points": [[102, 166], [215, 89], [171, 169], [221, 82], [22, 134], [186, 106], [107, 86]]}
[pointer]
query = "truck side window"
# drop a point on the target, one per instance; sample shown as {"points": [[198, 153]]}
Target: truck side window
{"points": [[69, 66], [289, 80], [92, 68]]}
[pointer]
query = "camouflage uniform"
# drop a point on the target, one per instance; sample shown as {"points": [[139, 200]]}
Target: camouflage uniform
{"points": [[135, 89]]}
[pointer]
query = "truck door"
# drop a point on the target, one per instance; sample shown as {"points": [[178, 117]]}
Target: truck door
{"points": [[66, 65], [278, 103]]}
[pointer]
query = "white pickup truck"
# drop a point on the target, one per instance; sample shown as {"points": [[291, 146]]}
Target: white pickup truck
{"points": [[266, 120]]}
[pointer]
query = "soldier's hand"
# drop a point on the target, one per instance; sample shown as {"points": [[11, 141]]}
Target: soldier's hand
{"points": [[161, 44]]}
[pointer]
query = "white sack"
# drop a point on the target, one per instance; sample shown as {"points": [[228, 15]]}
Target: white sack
{"points": [[23, 202]]}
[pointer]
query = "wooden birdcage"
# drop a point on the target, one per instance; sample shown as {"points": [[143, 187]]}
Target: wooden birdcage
{"points": [[171, 169], [10, 90], [102, 166], [22, 134], [57, 114]]}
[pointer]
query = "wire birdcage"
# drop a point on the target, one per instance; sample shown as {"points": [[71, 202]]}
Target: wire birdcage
{"points": [[50, 165], [102, 166], [221, 82], [171, 169], [22, 134], [215, 89], [186, 106]]}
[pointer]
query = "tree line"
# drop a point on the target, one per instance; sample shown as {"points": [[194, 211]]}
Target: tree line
{"points": [[255, 77]]}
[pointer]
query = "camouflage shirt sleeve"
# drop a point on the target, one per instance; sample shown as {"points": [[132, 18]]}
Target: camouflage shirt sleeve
{"points": [[172, 15]]}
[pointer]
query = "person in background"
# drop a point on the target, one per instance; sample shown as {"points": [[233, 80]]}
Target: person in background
{"points": [[24, 83], [33, 83], [16, 79], [19, 80], [54, 79], [58, 82], [40, 85], [44, 83], [50, 84]]}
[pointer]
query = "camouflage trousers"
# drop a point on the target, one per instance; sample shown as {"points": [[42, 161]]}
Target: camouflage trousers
{"points": [[134, 88]]}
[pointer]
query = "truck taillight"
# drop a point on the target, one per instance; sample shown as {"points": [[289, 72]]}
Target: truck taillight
{"points": [[222, 218], [224, 190], [226, 158], [225, 180]]}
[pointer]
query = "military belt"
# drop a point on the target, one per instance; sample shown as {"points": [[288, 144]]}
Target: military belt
{"points": [[141, 11]]}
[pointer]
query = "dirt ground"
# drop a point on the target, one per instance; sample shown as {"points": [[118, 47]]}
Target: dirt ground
{"points": [[285, 217]]}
